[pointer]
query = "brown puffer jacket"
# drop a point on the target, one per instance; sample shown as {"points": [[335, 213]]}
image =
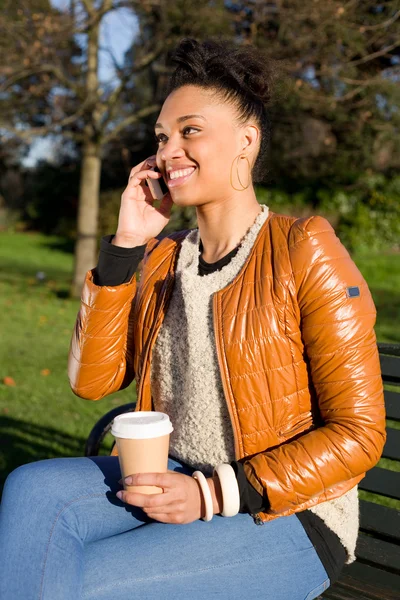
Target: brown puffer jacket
{"points": [[297, 354]]}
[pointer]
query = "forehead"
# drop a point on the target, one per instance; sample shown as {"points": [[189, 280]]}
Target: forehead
{"points": [[191, 99]]}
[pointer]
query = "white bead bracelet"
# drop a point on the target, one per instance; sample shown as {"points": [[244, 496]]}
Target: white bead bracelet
{"points": [[206, 495]]}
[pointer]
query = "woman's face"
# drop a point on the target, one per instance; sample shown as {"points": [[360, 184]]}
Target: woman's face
{"points": [[198, 132]]}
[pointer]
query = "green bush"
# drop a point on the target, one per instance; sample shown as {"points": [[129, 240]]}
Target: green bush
{"points": [[368, 216]]}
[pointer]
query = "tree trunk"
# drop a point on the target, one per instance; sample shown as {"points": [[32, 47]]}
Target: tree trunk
{"points": [[88, 212], [88, 209]]}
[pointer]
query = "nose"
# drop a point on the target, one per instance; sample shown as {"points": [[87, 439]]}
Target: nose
{"points": [[171, 150]]}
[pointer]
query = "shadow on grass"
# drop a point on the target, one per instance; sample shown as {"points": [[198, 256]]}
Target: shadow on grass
{"points": [[22, 443], [66, 245], [12, 272]]}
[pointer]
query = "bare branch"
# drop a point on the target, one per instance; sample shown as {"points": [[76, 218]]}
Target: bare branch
{"points": [[29, 135], [112, 101], [369, 57], [149, 57], [107, 49], [379, 25], [95, 16], [144, 112], [362, 82], [318, 99], [44, 68], [53, 127], [89, 7]]}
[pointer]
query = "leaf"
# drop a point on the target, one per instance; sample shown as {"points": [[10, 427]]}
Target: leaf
{"points": [[9, 381], [45, 372]]}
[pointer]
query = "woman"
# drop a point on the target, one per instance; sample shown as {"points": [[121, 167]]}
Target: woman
{"points": [[254, 332]]}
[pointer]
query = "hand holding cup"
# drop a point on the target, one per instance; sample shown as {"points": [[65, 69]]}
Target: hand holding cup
{"points": [[181, 501]]}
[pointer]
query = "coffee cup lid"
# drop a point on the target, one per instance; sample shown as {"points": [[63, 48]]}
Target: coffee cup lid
{"points": [[142, 424]]}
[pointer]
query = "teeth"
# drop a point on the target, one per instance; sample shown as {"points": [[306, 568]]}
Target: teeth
{"points": [[176, 174]]}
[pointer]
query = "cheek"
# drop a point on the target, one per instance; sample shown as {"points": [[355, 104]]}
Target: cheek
{"points": [[214, 162]]}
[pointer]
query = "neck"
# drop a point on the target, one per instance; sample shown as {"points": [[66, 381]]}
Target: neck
{"points": [[223, 224]]}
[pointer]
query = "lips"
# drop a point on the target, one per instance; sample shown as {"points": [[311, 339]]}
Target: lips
{"points": [[180, 180]]}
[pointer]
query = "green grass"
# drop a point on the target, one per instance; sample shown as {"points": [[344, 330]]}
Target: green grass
{"points": [[382, 273], [40, 417]]}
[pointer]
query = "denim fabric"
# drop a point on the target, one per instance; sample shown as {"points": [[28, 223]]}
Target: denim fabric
{"points": [[65, 535]]}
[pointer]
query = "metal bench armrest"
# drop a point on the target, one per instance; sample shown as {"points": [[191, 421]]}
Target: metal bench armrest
{"points": [[103, 426]]}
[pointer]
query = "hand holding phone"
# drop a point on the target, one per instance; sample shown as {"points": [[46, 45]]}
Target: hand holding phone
{"points": [[139, 220]]}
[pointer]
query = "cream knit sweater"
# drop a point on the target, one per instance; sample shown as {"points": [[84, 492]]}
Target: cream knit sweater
{"points": [[186, 382]]}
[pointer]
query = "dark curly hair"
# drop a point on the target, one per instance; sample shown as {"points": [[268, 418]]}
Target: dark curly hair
{"points": [[242, 75]]}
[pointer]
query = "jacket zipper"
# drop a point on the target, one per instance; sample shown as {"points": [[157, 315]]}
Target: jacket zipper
{"points": [[219, 356], [256, 518], [149, 339]]}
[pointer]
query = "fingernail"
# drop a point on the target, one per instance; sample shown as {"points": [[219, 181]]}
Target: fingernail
{"points": [[128, 480], [119, 495]]}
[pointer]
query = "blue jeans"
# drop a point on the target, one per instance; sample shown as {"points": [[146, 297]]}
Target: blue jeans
{"points": [[64, 535]]}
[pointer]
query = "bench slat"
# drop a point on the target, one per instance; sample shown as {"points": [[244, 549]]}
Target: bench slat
{"points": [[392, 445], [392, 405], [390, 367], [376, 518], [385, 554], [375, 576], [383, 482], [364, 582]]}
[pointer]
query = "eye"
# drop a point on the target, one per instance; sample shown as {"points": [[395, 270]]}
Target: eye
{"points": [[160, 135], [158, 138]]}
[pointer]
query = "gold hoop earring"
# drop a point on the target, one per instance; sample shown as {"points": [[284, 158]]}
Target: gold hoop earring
{"points": [[237, 173]]}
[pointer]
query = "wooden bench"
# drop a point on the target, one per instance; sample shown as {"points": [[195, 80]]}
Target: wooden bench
{"points": [[376, 572]]}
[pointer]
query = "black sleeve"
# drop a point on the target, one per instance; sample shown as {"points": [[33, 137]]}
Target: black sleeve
{"points": [[250, 500], [116, 265]]}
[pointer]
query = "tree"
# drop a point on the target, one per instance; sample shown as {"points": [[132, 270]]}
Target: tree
{"points": [[51, 83], [338, 110]]}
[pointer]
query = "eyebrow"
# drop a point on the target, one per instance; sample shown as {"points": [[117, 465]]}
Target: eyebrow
{"points": [[180, 119]]}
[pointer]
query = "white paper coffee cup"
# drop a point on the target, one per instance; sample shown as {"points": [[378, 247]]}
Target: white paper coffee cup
{"points": [[142, 439]]}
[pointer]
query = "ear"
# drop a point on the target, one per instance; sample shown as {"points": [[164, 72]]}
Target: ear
{"points": [[251, 138]]}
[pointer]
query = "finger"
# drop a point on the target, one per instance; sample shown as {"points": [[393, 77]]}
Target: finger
{"points": [[137, 177], [162, 480], [148, 162], [145, 501]]}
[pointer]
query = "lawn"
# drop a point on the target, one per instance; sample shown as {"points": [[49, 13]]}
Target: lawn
{"points": [[40, 417]]}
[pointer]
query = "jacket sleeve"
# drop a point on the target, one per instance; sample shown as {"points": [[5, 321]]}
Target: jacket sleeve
{"points": [[116, 265], [337, 330], [101, 352]]}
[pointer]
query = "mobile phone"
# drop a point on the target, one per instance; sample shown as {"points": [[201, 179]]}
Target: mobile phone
{"points": [[158, 188]]}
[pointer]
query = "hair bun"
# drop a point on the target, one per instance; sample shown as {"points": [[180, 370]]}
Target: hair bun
{"points": [[245, 68]]}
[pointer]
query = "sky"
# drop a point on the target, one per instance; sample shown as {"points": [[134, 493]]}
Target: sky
{"points": [[118, 29]]}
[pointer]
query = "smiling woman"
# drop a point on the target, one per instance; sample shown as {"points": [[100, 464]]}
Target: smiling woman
{"points": [[243, 332]]}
